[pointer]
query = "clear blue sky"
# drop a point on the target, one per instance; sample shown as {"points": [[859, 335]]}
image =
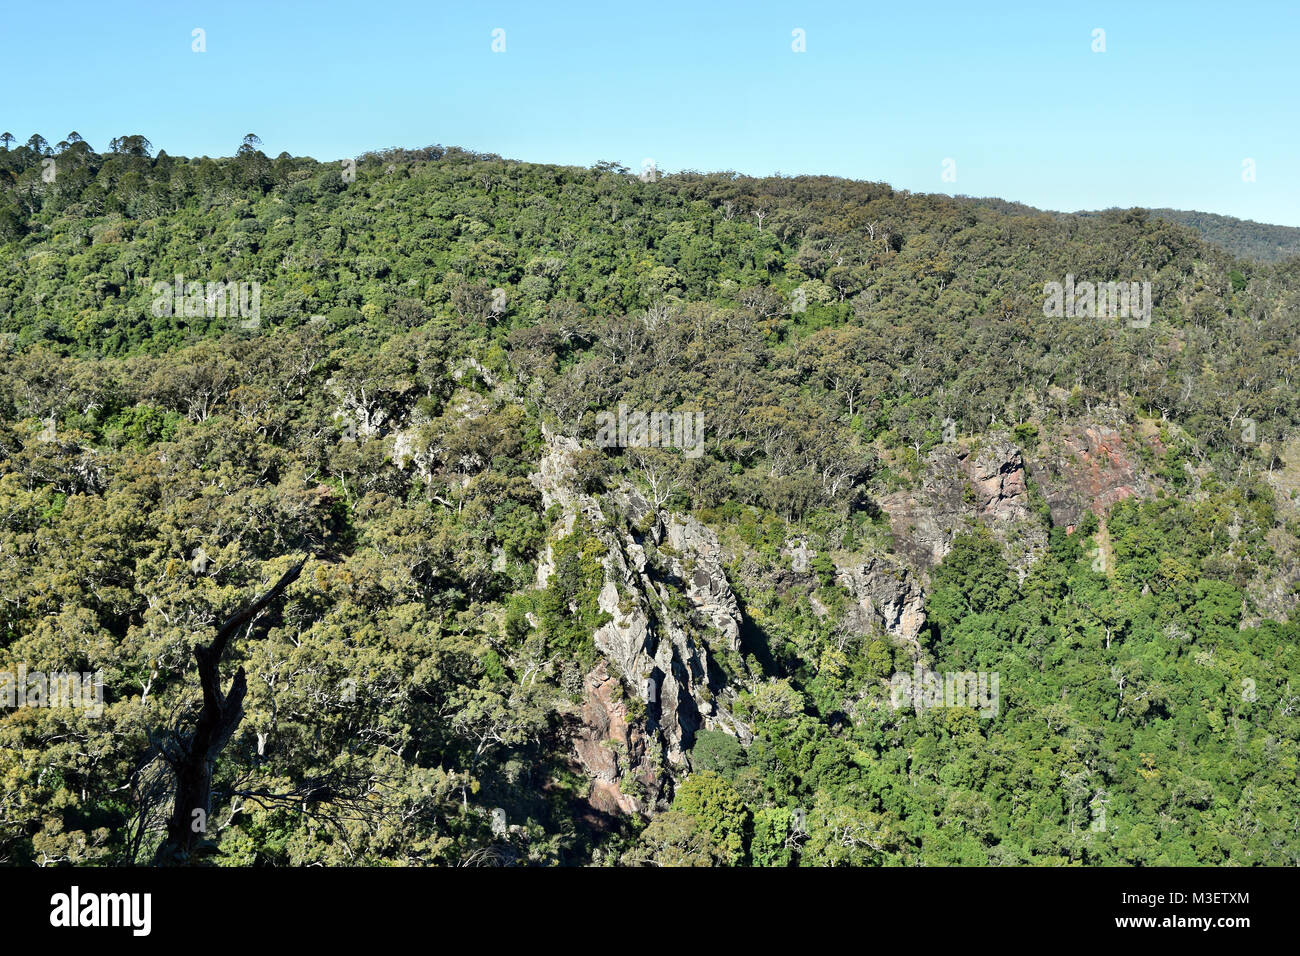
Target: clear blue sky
{"points": [[1012, 92]]}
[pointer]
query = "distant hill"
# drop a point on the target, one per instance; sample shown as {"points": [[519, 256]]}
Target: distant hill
{"points": [[1244, 238]]}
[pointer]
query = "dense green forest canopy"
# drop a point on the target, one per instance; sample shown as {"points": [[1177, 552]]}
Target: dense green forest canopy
{"points": [[1259, 241], [431, 319]]}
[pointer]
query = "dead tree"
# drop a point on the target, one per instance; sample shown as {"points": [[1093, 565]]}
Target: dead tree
{"points": [[192, 756]]}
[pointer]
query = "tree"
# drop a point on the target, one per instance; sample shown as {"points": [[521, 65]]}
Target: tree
{"points": [[192, 755], [133, 145], [719, 811], [717, 751], [659, 470]]}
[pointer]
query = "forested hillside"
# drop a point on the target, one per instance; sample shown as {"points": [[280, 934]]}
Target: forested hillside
{"points": [[1256, 241], [514, 641]]}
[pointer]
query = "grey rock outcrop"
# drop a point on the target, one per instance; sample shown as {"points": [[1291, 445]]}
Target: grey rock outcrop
{"points": [[924, 520], [959, 488], [887, 597], [698, 561], [660, 652], [800, 555]]}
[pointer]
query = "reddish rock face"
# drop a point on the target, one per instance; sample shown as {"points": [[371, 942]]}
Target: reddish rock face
{"points": [[1094, 469], [1108, 475], [604, 723], [607, 798]]}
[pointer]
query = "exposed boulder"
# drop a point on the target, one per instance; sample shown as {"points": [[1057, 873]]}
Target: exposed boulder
{"points": [[800, 555]]}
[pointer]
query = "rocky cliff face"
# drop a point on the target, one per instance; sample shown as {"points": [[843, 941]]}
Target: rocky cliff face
{"points": [[656, 650], [996, 472], [1276, 591], [1090, 468], [614, 749], [887, 597], [924, 520], [673, 611], [697, 561], [959, 487]]}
